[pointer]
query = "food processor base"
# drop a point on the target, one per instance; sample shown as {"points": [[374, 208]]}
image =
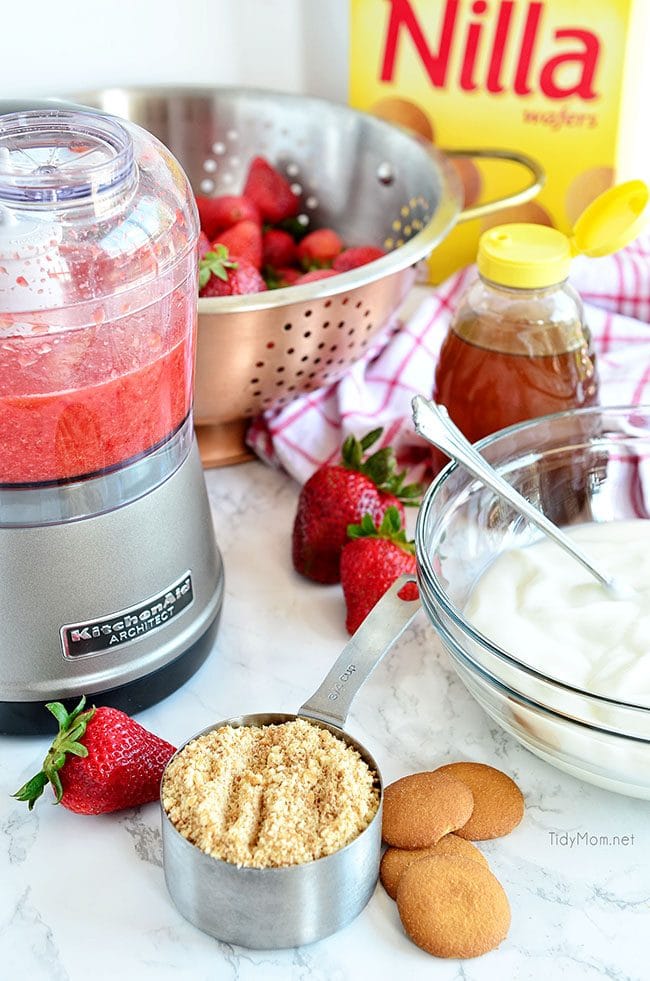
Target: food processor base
{"points": [[31, 718], [122, 606]]}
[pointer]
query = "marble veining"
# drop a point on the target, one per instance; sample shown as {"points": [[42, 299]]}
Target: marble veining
{"points": [[85, 897], [147, 840]]}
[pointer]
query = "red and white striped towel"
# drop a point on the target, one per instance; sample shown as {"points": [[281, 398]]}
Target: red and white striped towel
{"points": [[377, 390]]}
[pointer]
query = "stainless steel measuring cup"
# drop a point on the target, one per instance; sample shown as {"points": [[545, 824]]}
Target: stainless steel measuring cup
{"points": [[274, 908]]}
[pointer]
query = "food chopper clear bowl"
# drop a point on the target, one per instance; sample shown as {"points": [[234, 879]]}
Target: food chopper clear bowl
{"points": [[112, 582], [98, 233], [589, 465]]}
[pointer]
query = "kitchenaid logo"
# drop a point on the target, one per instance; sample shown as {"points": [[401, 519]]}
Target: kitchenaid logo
{"points": [[494, 47], [107, 633]]}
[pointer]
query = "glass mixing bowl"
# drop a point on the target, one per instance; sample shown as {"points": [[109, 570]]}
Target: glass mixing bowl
{"points": [[588, 465]]}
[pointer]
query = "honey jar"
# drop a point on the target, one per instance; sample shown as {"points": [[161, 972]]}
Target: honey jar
{"points": [[518, 346]]}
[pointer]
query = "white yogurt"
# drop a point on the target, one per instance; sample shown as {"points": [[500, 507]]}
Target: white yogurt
{"points": [[540, 606]]}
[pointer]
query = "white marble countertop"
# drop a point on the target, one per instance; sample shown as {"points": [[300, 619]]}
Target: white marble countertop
{"points": [[84, 897]]}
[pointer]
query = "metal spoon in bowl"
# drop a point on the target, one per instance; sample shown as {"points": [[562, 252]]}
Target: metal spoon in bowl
{"points": [[432, 422]]}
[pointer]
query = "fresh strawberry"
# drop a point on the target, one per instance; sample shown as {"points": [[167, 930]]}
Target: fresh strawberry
{"points": [[361, 255], [215, 264], [288, 276], [297, 227], [243, 241], [278, 249], [219, 275], [319, 248], [371, 562], [276, 279], [338, 495], [315, 274], [270, 191], [204, 244], [100, 761], [216, 214]]}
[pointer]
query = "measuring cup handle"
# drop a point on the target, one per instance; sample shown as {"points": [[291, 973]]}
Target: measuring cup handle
{"points": [[537, 181], [387, 620]]}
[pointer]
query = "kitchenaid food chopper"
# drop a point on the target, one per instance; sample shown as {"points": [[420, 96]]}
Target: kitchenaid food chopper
{"points": [[111, 583]]}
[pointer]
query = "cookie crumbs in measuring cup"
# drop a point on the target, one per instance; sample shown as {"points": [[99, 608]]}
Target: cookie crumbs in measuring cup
{"points": [[270, 796]]}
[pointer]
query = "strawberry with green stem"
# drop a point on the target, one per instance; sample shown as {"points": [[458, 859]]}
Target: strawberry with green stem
{"points": [[101, 760], [371, 561], [243, 242], [222, 275], [337, 495]]}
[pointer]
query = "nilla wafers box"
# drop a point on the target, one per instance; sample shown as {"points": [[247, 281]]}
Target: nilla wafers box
{"points": [[559, 80]]}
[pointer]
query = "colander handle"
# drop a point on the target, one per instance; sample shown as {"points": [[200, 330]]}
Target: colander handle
{"points": [[537, 181], [387, 620]]}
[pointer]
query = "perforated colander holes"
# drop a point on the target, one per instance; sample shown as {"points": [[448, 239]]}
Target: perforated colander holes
{"points": [[298, 183], [412, 219], [386, 174], [224, 154], [315, 367]]}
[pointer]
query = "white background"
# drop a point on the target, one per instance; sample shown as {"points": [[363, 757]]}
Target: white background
{"points": [[55, 47]]}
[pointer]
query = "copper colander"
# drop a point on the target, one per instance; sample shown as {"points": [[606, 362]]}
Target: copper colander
{"points": [[372, 182]]}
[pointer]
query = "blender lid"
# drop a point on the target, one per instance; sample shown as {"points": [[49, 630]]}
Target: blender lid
{"points": [[96, 219], [60, 157]]}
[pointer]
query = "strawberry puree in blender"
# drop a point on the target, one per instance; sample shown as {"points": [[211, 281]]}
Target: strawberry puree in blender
{"points": [[97, 297], [79, 402]]}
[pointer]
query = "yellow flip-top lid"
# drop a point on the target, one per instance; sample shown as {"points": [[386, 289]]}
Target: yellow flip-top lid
{"points": [[527, 256]]}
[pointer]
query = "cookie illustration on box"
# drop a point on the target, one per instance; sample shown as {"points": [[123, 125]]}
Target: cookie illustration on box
{"points": [[543, 79]]}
